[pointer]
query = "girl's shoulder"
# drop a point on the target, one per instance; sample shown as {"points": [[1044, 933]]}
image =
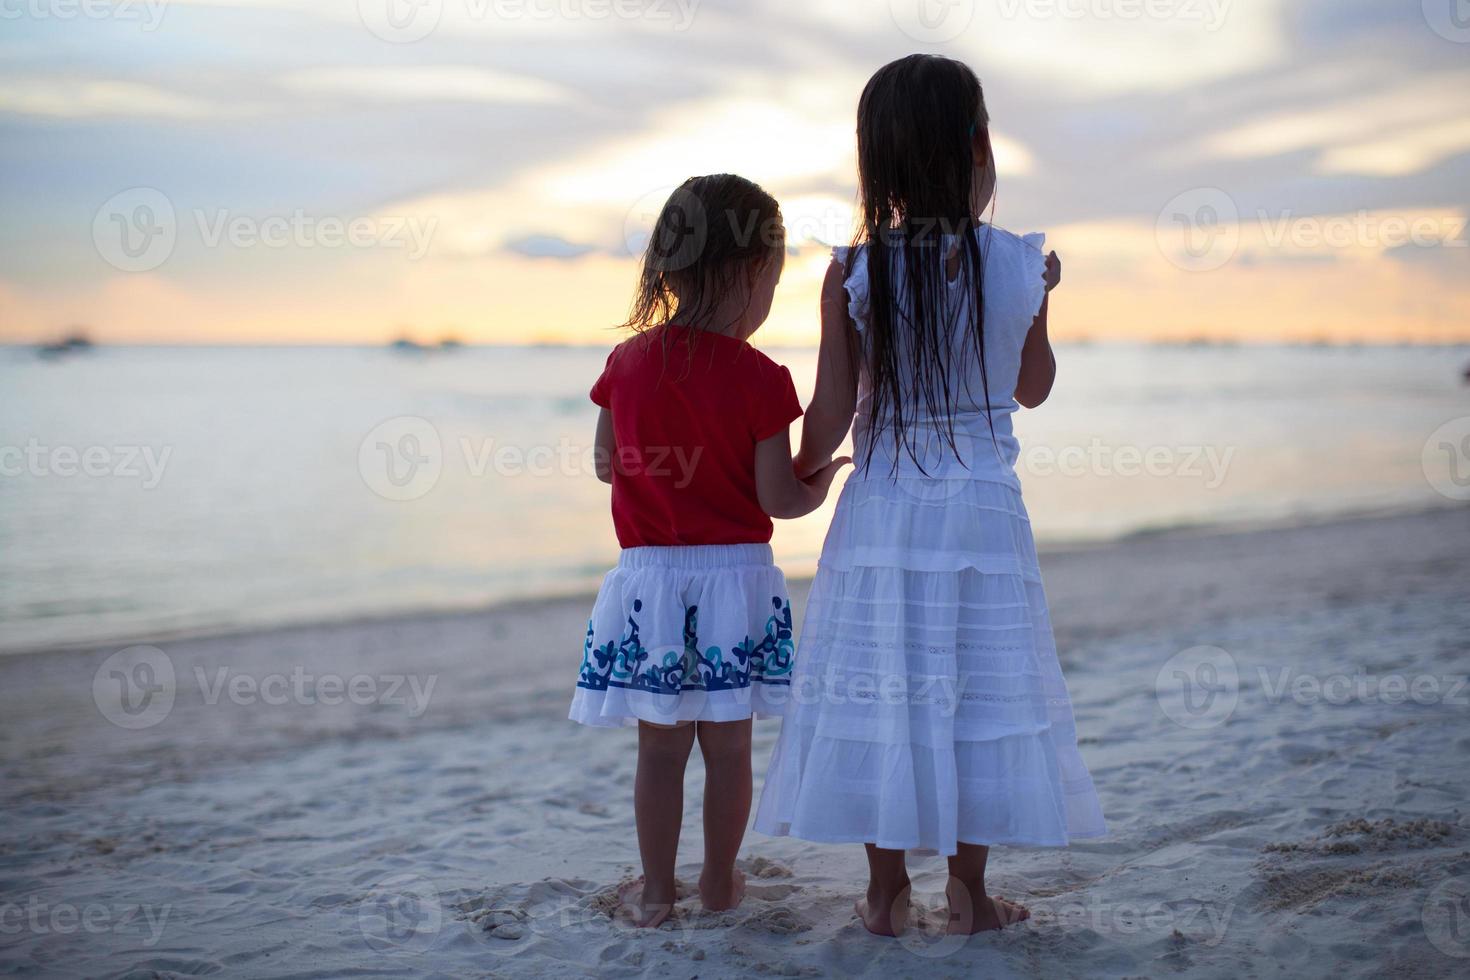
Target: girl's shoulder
{"points": [[1015, 276], [1025, 247], [707, 356], [1014, 265], [762, 360], [1019, 261]]}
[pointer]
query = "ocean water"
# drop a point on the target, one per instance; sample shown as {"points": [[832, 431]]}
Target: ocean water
{"points": [[150, 491]]}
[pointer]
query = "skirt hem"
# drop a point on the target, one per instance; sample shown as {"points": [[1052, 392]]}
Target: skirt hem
{"points": [[930, 848], [591, 709]]}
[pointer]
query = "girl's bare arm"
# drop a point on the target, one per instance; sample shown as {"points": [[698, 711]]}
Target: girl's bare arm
{"points": [[829, 415], [606, 445], [781, 494], [1038, 363]]}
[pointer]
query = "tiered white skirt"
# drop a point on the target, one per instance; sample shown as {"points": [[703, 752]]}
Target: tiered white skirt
{"points": [[927, 704], [696, 633]]}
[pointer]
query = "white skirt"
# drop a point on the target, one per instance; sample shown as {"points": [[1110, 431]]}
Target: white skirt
{"points": [[694, 633], [927, 705]]}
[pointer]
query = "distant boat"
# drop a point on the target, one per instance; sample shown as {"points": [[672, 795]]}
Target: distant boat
{"points": [[451, 343], [74, 342], [407, 346]]}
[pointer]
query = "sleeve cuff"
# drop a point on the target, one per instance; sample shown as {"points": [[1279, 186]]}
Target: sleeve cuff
{"points": [[1033, 271], [856, 284], [788, 411], [777, 423]]}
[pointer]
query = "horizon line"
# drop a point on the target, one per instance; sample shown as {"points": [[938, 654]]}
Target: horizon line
{"points": [[602, 345]]}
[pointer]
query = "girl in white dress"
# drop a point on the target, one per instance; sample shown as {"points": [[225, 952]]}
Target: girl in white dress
{"points": [[928, 708]]}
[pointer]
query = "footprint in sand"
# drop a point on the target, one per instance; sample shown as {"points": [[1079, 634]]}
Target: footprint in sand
{"points": [[764, 888], [775, 920], [508, 918], [609, 900], [765, 909], [1308, 887], [591, 809], [761, 867], [1357, 835]]}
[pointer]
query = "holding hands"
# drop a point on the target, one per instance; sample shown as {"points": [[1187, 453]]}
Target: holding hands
{"points": [[818, 474]]}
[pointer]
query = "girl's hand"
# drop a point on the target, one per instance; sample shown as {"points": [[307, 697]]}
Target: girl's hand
{"points": [[806, 467], [821, 480], [1053, 274], [781, 493]]}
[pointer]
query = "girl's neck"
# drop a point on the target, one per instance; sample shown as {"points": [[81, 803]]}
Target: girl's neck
{"points": [[729, 318]]}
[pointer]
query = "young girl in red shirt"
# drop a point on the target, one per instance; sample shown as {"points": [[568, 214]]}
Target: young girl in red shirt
{"points": [[691, 633]]}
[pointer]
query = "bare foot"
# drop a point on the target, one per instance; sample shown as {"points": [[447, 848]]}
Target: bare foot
{"points": [[990, 912], [884, 915], [645, 907], [721, 896]]}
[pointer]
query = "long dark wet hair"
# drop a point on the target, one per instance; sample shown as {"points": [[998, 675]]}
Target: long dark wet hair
{"points": [[917, 121], [709, 233]]}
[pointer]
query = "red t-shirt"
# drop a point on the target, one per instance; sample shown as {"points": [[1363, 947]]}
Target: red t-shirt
{"points": [[687, 410]]}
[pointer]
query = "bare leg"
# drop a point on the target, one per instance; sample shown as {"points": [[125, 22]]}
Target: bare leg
{"points": [[886, 909], [971, 910], [726, 750], [658, 808]]}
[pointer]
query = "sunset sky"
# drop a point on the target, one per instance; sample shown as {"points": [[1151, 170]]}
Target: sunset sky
{"points": [[344, 171]]}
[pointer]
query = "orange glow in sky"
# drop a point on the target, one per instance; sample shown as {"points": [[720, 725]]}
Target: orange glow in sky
{"points": [[293, 172]]}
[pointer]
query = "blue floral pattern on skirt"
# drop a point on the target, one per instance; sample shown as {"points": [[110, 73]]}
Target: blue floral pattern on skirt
{"points": [[626, 663]]}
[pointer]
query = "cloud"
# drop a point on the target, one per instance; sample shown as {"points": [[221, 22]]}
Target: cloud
{"points": [[1397, 131], [1084, 49], [430, 83], [548, 247], [481, 19], [80, 99], [538, 142], [1276, 286], [1447, 257], [768, 141], [1400, 154]]}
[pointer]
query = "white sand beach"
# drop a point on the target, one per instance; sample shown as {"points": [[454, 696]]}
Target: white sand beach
{"points": [[404, 798]]}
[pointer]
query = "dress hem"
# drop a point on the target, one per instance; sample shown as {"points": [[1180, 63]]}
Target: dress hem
{"points": [[893, 845], [587, 709]]}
